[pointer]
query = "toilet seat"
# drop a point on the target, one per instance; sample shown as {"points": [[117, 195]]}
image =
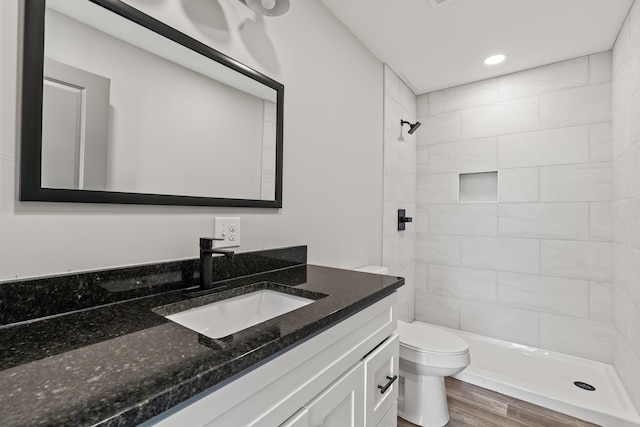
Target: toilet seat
{"points": [[428, 339]]}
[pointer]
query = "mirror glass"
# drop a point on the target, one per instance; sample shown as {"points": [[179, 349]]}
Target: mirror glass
{"points": [[133, 111]]}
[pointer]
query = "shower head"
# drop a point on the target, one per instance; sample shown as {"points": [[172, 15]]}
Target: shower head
{"points": [[412, 127]]}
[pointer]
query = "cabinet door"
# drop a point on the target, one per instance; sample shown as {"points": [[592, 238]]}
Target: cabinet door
{"points": [[391, 418], [340, 404], [381, 380]]}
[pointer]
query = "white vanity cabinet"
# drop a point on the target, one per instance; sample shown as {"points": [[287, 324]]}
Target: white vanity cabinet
{"points": [[364, 396], [332, 379]]}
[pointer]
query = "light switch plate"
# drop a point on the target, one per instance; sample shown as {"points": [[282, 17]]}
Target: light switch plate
{"points": [[227, 228]]}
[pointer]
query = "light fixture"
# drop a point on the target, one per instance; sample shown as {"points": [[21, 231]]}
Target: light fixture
{"points": [[268, 7], [412, 127], [495, 59]]}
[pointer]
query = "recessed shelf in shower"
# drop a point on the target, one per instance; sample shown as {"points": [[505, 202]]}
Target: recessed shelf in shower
{"points": [[478, 187]]}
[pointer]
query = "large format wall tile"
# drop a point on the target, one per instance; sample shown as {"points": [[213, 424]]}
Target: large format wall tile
{"points": [[600, 142], [440, 128], [544, 294], [620, 49], [542, 148], [600, 67], [589, 104], [465, 96], [600, 302], [544, 220], [601, 221], [519, 185], [391, 85], [620, 131], [579, 260], [422, 272], [437, 188], [464, 156], [627, 364], [520, 115], [622, 222], [590, 182], [464, 219], [420, 220], [398, 253], [583, 338], [443, 311], [501, 254], [438, 249], [627, 272], [511, 324], [627, 319], [549, 78], [464, 283]]}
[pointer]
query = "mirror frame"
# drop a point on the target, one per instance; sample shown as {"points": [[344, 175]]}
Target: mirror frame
{"points": [[31, 131]]}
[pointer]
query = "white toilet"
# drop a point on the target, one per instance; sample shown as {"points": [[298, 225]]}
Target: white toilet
{"points": [[427, 355]]}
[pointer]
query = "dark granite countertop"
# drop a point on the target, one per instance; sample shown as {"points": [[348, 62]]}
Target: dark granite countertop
{"points": [[121, 362]]}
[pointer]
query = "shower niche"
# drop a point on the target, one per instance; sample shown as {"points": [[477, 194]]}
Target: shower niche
{"points": [[478, 187]]}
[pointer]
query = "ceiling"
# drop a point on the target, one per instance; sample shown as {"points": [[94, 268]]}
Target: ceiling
{"points": [[436, 48]]}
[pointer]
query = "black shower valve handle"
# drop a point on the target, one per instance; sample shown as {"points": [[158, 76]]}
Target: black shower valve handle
{"points": [[403, 219]]}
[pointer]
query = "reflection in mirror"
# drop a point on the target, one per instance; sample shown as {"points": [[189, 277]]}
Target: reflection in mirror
{"points": [[130, 116]]}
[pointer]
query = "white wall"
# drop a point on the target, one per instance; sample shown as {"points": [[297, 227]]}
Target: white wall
{"points": [[398, 247], [535, 267], [332, 153], [626, 203]]}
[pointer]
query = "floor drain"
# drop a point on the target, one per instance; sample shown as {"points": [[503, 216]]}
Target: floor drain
{"points": [[584, 386]]}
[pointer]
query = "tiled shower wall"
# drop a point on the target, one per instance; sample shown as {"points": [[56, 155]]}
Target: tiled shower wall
{"points": [[535, 265], [398, 247], [626, 203]]}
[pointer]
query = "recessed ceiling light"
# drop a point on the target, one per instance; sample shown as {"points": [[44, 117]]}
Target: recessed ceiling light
{"points": [[495, 59]]}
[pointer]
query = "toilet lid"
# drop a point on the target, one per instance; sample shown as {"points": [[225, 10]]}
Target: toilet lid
{"points": [[428, 339]]}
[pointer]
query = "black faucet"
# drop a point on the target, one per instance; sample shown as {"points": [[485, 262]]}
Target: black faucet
{"points": [[206, 261]]}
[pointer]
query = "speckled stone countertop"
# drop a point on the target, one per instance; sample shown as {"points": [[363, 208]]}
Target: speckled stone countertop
{"points": [[117, 361]]}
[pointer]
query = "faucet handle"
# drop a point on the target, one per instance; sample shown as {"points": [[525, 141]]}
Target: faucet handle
{"points": [[207, 242]]}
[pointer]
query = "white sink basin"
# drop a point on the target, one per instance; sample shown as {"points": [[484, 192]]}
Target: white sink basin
{"points": [[222, 318]]}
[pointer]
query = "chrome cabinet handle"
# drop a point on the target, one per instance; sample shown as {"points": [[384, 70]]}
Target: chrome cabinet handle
{"points": [[384, 388]]}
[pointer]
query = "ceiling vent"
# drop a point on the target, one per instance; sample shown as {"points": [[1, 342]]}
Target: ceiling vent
{"points": [[438, 3]]}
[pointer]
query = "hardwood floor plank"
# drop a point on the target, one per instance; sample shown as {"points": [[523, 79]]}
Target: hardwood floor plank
{"points": [[473, 416], [473, 406], [537, 417], [477, 397]]}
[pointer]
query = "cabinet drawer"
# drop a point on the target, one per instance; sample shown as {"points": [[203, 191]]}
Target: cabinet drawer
{"points": [[381, 380]]}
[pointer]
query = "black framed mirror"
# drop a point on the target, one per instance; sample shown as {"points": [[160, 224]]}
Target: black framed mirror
{"points": [[118, 107]]}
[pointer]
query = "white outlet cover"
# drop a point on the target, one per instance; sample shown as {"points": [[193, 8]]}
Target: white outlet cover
{"points": [[227, 228]]}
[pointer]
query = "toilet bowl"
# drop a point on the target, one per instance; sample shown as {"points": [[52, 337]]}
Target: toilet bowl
{"points": [[427, 355]]}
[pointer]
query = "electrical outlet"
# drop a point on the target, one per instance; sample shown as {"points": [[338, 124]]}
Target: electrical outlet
{"points": [[227, 228]]}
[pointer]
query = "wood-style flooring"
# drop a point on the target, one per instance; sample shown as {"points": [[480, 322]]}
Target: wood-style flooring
{"points": [[473, 406]]}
